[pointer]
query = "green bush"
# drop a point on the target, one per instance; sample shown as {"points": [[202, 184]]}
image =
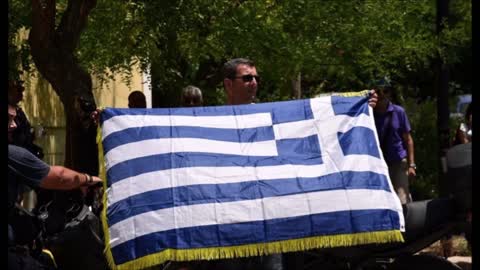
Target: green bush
{"points": [[423, 120]]}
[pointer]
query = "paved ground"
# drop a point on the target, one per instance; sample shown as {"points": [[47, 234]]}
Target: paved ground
{"points": [[456, 249], [465, 262]]}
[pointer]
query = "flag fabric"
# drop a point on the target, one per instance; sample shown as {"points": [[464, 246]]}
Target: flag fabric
{"points": [[246, 180]]}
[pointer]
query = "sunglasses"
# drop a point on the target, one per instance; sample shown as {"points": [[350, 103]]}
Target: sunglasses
{"points": [[249, 78]]}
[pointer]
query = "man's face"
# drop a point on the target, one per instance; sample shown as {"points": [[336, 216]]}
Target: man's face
{"points": [[12, 113], [243, 88], [383, 95], [191, 100]]}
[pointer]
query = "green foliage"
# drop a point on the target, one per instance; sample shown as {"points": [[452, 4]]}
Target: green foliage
{"points": [[423, 120], [458, 31], [334, 44], [116, 38], [18, 51]]}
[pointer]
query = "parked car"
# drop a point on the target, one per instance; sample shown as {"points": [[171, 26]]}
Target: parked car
{"points": [[461, 106]]}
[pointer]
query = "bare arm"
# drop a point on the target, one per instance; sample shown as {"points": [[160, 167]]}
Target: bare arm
{"points": [[408, 140], [61, 178]]}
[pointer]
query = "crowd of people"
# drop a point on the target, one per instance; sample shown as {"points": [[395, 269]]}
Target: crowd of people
{"points": [[241, 82]]}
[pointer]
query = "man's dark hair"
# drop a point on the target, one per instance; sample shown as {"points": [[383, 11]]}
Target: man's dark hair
{"points": [[137, 99], [13, 87], [230, 67]]}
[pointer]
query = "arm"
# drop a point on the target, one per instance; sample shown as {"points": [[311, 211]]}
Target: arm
{"points": [[461, 136], [35, 173], [61, 178], [408, 141]]}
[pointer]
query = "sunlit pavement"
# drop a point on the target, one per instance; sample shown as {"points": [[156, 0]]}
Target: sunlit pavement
{"points": [[465, 262]]}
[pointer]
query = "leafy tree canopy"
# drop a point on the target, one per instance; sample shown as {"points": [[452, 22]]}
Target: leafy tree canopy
{"points": [[335, 45]]}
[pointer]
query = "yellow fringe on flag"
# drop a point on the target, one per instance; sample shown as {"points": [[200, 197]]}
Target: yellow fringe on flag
{"points": [[103, 175], [364, 93], [101, 162], [353, 94], [302, 244], [49, 254]]}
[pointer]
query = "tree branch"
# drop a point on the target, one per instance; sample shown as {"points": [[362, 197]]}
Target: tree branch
{"points": [[53, 50], [73, 22], [43, 20]]}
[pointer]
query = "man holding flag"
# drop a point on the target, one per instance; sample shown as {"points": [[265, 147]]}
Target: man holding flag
{"points": [[240, 81]]}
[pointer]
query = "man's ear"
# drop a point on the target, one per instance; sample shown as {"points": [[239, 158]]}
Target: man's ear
{"points": [[227, 83]]}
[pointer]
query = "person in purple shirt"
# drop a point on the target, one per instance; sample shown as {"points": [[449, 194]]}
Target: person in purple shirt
{"points": [[396, 142]]}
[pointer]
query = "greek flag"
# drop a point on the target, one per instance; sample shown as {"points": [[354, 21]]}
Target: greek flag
{"points": [[246, 180]]}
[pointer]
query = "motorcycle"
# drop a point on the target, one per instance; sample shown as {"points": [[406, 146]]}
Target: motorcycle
{"points": [[426, 222], [71, 228]]}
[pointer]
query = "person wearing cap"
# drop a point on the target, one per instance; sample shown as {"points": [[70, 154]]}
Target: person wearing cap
{"points": [[396, 142]]}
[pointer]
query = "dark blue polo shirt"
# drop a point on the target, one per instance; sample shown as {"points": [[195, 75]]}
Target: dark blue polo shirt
{"points": [[395, 116]]}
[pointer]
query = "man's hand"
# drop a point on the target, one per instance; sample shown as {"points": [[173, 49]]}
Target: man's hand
{"points": [[411, 172], [94, 184], [95, 116], [96, 181], [373, 98]]}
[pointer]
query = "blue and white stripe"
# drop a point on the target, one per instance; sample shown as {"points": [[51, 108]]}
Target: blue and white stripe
{"points": [[231, 175]]}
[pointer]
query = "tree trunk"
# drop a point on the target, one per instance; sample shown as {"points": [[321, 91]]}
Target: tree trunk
{"points": [[297, 86], [443, 112], [52, 50]]}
